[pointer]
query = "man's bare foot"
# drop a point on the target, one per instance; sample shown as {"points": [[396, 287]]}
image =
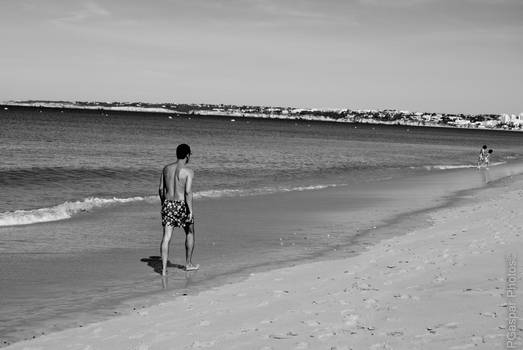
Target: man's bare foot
{"points": [[191, 267]]}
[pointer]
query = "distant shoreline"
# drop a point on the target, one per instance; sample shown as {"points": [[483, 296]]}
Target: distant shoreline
{"points": [[177, 110]]}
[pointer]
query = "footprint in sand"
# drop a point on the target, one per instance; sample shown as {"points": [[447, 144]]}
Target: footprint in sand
{"points": [[312, 323], [370, 303], [351, 320], [247, 330], [439, 279], [326, 335], [435, 329], [406, 297], [393, 319], [362, 286], [450, 325], [380, 346], [204, 323], [395, 334], [287, 335], [202, 344], [477, 339], [463, 347], [137, 336], [97, 331], [494, 336], [279, 293]]}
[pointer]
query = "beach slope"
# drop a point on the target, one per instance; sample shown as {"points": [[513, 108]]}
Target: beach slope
{"points": [[441, 287]]}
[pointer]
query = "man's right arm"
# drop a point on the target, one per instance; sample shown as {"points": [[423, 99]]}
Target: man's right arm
{"points": [[188, 191], [161, 192]]}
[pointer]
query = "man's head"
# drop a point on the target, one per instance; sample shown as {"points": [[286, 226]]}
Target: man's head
{"points": [[484, 146], [183, 151], [490, 151]]}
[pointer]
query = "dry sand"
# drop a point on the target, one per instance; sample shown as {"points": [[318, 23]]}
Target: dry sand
{"points": [[441, 287]]}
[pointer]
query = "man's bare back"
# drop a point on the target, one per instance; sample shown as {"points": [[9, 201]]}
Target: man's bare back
{"points": [[176, 178]]}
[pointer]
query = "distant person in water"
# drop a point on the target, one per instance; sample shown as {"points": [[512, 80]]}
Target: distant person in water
{"points": [[482, 155], [175, 192], [486, 160]]}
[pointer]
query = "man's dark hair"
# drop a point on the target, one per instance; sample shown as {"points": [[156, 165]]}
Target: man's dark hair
{"points": [[182, 151], [484, 146], [490, 151]]}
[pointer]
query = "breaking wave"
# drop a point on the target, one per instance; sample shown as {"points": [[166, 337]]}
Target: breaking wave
{"points": [[59, 212]]}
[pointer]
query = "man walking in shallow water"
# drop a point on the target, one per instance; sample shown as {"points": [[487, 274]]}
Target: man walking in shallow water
{"points": [[175, 192]]}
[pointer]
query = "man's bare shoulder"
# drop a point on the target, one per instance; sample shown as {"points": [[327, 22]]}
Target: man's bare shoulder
{"points": [[187, 172], [169, 167]]}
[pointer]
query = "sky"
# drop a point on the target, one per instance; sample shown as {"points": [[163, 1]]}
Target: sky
{"points": [[456, 56]]}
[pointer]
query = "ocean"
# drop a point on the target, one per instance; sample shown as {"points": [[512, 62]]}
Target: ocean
{"points": [[79, 213], [54, 165]]}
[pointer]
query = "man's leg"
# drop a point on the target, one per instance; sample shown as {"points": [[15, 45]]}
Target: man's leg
{"points": [[189, 248], [164, 248]]}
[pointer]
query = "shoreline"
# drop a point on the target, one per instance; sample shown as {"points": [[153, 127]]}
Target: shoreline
{"points": [[332, 315], [398, 223]]}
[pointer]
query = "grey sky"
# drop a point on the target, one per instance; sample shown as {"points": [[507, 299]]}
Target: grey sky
{"points": [[426, 55]]}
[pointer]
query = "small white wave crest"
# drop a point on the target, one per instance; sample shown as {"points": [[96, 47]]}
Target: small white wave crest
{"points": [[449, 167], [69, 209], [459, 166], [59, 212], [258, 191]]}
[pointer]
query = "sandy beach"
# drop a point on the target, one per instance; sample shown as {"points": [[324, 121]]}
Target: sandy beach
{"points": [[441, 287]]}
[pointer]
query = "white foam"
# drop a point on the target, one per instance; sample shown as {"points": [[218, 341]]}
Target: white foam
{"points": [[309, 188], [219, 193], [260, 190], [460, 166], [59, 212], [449, 167]]}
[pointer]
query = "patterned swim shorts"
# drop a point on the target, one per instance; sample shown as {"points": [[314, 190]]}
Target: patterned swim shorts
{"points": [[175, 214]]}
